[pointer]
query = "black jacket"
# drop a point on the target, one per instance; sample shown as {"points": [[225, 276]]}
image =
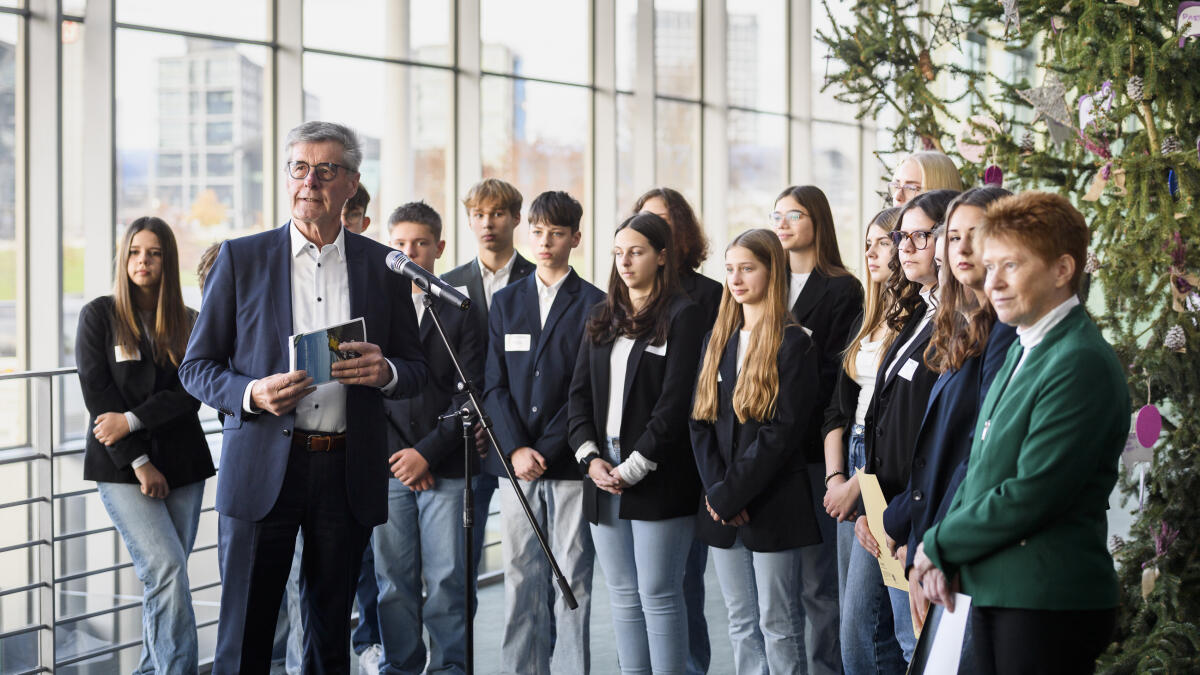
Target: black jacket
{"points": [[758, 466], [413, 422], [171, 437], [897, 407], [827, 306], [657, 402], [704, 292]]}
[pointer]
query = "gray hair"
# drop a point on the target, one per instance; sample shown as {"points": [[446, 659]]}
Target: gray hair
{"points": [[319, 132]]}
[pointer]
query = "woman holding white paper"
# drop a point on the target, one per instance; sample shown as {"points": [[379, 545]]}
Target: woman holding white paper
{"points": [[1026, 533]]}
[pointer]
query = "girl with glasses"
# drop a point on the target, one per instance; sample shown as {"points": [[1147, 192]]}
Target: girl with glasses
{"points": [[145, 448], [877, 633], [824, 298], [921, 172]]}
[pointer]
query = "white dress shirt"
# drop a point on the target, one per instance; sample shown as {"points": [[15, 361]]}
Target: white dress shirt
{"points": [[796, 287], [418, 299], [320, 298], [1033, 335], [494, 281], [930, 308], [546, 294], [636, 465]]}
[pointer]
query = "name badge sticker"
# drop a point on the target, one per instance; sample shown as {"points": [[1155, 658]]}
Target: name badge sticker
{"points": [[907, 370], [516, 342], [660, 350], [119, 354]]}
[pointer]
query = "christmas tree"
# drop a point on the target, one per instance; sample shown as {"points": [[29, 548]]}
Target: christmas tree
{"points": [[1112, 122]]}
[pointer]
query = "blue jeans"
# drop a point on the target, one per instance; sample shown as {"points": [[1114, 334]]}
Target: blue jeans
{"points": [[644, 562], [159, 535], [766, 618], [422, 540], [845, 530], [541, 635], [366, 633], [699, 649]]}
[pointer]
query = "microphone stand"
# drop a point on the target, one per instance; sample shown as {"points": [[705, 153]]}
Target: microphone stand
{"points": [[468, 414]]}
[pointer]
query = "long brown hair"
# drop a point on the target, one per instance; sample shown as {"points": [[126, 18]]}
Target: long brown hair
{"points": [[616, 317], [874, 306], [172, 325], [902, 296], [961, 326], [825, 245], [690, 244], [757, 386]]}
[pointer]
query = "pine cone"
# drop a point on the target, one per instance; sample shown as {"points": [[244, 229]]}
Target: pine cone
{"points": [[1027, 144], [1135, 88], [925, 65], [1171, 144], [1092, 264], [1176, 339]]}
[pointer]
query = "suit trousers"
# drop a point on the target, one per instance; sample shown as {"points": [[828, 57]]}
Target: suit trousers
{"points": [[255, 557], [1037, 642]]}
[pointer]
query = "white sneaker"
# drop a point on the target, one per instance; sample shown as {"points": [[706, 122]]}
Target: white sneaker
{"points": [[368, 661]]}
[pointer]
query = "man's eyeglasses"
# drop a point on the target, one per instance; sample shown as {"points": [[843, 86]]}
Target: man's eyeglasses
{"points": [[920, 238], [910, 188], [326, 171], [792, 217]]}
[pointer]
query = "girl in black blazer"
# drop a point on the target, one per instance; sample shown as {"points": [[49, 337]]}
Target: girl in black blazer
{"points": [[755, 395], [628, 427], [879, 626], [145, 448]]}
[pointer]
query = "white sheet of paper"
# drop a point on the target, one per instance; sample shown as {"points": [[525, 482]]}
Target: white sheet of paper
{"points": [[948, 640]]}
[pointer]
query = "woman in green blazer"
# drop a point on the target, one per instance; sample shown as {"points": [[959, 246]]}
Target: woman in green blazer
{"points": [[1025, 536]]}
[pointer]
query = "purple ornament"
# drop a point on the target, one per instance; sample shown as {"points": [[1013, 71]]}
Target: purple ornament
{"points": [[1149, 425], [993, 176]]}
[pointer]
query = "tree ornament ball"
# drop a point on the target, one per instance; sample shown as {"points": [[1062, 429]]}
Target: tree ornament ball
{"points": [[1149, 425]]}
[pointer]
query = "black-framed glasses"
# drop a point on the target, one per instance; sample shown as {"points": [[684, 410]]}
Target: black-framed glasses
{"points": [[920, 238], [792, 216], [326, 171]]}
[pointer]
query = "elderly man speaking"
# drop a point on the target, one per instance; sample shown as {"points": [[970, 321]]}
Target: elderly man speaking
{"points": [[296, 456]]}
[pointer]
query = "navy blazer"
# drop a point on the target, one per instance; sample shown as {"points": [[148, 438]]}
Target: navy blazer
{"points": [[758, 466], [943, 443], [828, 307], [171, 435], [528, 374], [242, 334], [896, 409], [468, 276], [657, 402], [413, 422]]}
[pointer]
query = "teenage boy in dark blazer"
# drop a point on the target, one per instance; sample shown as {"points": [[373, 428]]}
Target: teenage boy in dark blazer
{"points": [[422, 539], [493, 212], [536, 327]]}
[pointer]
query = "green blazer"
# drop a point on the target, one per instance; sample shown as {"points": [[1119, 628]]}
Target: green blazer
{"points": [[1028, 526]]}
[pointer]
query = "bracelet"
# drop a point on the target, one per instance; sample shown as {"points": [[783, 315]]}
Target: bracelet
{"points": [[835, 473]]}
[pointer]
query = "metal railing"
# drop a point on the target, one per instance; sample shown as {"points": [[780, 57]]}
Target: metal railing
{"points": [[49, 584]]}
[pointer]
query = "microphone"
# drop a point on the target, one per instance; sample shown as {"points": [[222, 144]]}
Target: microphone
{"points": [[426, 280]]}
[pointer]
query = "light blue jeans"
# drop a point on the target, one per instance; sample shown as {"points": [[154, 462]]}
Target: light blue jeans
{"points": [[845, 530], [422, 540], [644, 563], [537, 639], [766, 618], [159, 535]]}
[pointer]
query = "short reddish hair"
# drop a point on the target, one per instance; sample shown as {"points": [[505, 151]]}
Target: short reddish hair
{"points": [[1043, 222]]}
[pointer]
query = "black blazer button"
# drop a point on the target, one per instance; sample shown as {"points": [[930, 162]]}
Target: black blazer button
{"points": [[917, 495], [919, 463], [287, 432]]}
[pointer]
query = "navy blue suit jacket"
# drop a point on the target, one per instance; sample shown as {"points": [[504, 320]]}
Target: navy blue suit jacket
{"points": [[526, 389], [241, 335], [943, 443]]}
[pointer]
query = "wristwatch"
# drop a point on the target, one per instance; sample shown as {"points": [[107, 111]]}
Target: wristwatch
{"points": [[587, 461]]}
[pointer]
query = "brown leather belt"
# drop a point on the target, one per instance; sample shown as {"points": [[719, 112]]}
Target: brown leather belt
{"points": [[318, 442]]}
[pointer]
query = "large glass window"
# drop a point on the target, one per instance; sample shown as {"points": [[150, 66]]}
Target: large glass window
{"points": [[677, 129], [245, 19], [546, 39], [836, 153], [756, 54], [677, 48], [626, 44], [824, 105], [150, 175], [535, 136], [12, 421], [417, 30], [403, 118], [757, 168]]}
